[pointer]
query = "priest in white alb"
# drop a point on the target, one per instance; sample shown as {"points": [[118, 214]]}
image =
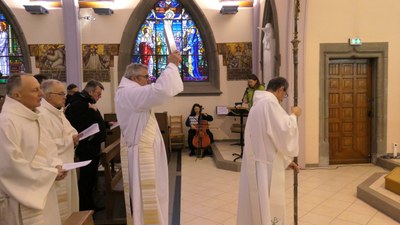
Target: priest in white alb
{"points": [[28, 162], [65, 138], [147, 161], [271, 142]]}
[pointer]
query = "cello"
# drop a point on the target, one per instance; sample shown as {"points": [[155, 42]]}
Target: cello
{"points": [[201, 140]]}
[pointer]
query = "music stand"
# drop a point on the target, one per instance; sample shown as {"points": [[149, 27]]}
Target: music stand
{"points": [[241, 112]]}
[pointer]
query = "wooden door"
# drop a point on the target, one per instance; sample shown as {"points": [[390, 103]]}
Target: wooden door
{"points": [[350, 105]]}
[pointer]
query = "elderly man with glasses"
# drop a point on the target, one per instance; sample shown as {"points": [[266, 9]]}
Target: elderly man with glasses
{"points": [[65, 138]]}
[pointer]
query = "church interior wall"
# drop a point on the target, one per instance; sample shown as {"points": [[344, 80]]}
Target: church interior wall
{"points": [[109, 29], [372, 21]]}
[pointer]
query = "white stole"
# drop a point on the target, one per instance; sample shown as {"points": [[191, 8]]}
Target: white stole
{"points": [[148, 173]]}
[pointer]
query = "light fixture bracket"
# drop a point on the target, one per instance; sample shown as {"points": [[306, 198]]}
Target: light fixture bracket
{"points": [[229, 9], [36, 9], [103, 11]]}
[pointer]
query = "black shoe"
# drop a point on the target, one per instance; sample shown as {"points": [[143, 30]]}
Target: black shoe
{"points": [[191, 153]]}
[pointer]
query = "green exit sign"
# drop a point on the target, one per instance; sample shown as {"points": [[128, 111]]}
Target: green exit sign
{"points": [[355, 41]]}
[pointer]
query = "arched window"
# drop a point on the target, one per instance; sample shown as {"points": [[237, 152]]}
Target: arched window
{"points": [[11, 57], [14, 52], [150, 47], [207, 83]]}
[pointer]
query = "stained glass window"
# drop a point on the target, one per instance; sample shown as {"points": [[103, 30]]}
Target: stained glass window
{"points": [[11, 58], [151, 49]]}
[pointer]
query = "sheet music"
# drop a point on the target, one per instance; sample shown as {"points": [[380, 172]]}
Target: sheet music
{"points": [[71, 166], [222, 110], [116, 124], [169, 36], [93, 129]]}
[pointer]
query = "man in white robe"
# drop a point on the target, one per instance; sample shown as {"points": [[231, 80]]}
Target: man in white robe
{"points": [[147, 161], [65, 137], [271, 140], [28, 163]]}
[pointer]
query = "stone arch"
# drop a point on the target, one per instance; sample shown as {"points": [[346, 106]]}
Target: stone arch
{"points": [[212, 87], [20, 35]]}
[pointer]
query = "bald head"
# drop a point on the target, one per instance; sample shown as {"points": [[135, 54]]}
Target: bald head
{"points": [[24, 89]]}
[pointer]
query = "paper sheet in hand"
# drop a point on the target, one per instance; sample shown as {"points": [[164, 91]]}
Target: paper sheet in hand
{"points": [[169, 36], [93, 129], [116, 124], [71, 166]]}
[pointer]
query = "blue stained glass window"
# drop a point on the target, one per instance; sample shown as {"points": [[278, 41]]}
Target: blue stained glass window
{"points": [[151, 49], [11, 58]]}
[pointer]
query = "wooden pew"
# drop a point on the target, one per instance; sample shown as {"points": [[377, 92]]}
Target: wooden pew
{"points": [[80, 218], [112, 178]]}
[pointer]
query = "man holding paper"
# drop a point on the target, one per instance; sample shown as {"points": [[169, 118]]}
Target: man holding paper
{"points": [[83, 113], [28, 163], [65, 138], [148, 170]]}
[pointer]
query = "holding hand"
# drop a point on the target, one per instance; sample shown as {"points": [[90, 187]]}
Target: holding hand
{"points": [[175, 58], [294, 167], [61, 173], [296, 111], [75, 138]]}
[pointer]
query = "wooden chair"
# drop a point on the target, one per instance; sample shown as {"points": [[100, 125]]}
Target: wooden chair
{"points": [[176, 135], [112, 177], [80, 218]]}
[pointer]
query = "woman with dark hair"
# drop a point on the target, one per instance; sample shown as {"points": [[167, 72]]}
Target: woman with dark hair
{"points": [[196, 116], [253, 85]]}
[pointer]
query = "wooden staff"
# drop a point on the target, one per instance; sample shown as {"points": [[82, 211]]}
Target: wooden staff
{"points": [[295, 43]]}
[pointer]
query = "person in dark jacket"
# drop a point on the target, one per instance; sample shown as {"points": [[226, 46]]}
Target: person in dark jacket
{"points": [[197, 116], [71, 90], [82, 113]]}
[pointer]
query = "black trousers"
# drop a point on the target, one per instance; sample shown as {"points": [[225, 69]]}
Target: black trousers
{"points": [[87, 182]]}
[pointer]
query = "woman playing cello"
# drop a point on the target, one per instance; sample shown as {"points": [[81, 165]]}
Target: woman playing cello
{"points": [[196, 116]]}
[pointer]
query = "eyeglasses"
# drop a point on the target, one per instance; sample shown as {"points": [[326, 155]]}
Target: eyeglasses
{"points": [[144, 76], [60, 93], [286, 94]]}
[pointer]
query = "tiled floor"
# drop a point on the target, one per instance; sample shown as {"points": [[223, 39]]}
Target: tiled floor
{"points": [[326, 195]]}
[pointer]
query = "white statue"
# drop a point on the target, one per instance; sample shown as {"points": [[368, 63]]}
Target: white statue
{"points": [[268, 52]]}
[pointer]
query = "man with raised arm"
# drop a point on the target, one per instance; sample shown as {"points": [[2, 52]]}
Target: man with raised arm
{"points": [[148, 170]]}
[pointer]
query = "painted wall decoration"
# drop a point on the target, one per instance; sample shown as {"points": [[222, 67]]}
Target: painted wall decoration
{"points": [[97, 60], [151, 49], [238, 58], [50, 59]]}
